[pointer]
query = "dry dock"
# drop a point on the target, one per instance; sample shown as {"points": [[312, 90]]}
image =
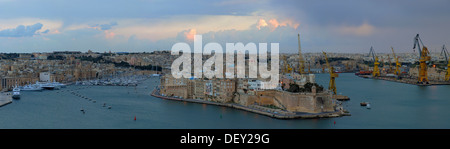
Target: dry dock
{"points": [[412, 81], [279, 114]]}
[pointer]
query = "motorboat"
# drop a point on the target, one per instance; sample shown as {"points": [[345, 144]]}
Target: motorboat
{"points": [[364, 103], [16, 93]]}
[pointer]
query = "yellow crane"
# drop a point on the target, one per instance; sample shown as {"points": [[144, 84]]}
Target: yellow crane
{"points": [[286, 67], [376, 70], [301, 61], [447, 58], [333, 75], [424, 58], [397, 64]]}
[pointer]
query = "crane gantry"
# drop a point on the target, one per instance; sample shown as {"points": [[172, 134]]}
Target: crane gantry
{"points": [[397, 64], [333, 75], [424, 58], [376, 70]]}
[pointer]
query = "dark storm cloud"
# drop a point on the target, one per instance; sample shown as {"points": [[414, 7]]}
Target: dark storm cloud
{"points": [[21, 31]]}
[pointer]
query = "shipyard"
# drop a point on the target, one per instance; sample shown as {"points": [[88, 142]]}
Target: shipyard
{"points": [[425, 74]]}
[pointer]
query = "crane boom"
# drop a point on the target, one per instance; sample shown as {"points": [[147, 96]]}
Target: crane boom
{"points": [[416, 42], [301, 61], [372, 53], [393, 51], [445, 53], [424, 58]]}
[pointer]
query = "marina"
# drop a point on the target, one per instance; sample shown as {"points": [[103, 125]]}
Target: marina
{"points": [[116, 81]]}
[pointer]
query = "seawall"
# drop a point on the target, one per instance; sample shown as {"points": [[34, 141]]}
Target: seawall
{"points": [[258, 110]]}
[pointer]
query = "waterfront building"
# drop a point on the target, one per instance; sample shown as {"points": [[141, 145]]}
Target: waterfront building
{"points": [[8, 83], [248, 92], [199, 89]]}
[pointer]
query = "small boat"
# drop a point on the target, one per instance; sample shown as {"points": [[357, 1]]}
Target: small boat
{"points": [[364, 103], [48, 86], [16, 93], [109, 107], [104, 104]]}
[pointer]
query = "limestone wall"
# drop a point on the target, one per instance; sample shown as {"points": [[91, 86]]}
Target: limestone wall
{"points": [[180, 91], [294, 102], [433, 73]]}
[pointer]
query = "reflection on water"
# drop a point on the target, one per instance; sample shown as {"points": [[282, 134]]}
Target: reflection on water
{"points": [[204, 106]]}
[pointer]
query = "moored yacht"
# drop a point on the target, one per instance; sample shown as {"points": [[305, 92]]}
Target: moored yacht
{"points": [[16, 93], [47, 86], [29, 87]]}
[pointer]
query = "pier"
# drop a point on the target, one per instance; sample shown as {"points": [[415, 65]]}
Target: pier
{"points": [[274, 113], [5, 98]]}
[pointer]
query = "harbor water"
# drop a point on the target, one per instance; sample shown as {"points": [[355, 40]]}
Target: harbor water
{"points": [[393, 105]]}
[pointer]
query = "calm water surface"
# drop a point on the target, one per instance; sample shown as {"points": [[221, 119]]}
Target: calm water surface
{"points": [[394, 105]]}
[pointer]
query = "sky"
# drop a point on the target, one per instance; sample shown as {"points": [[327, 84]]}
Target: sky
{"points": [[344, 26]]}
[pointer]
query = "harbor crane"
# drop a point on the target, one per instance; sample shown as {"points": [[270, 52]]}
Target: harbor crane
{"points": [[376, 70], [397, 64], [423, 60], [445, 53], [301, 61], [286, 67], [333, 75]]}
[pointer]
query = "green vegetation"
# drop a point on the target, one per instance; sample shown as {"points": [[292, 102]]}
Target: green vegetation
{"points": [[306, 88], [9, 55]]}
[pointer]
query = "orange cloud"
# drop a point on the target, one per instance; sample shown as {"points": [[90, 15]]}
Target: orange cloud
{"points": [[290, 23], [189, 35], [261, 23], [274, 23], [55, 32], [109, 34]]}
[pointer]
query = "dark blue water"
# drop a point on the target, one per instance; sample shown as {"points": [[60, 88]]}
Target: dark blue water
{"points": [[394, 105]]}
